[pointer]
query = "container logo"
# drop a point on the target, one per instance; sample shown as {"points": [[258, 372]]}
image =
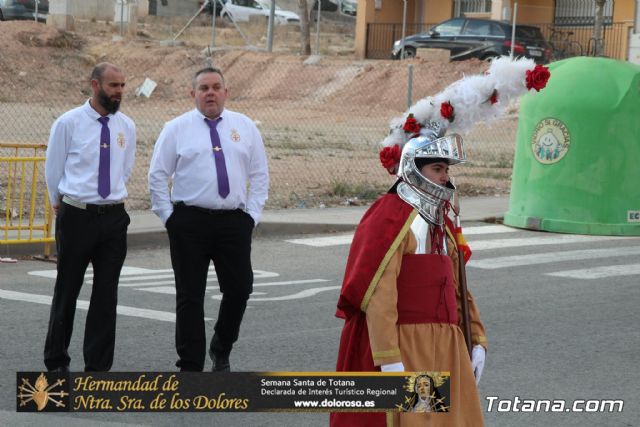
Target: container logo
{"points": [[633, 216], [550, 141]]}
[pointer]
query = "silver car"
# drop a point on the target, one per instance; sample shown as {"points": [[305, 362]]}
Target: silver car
{"points": [[24, 9]]}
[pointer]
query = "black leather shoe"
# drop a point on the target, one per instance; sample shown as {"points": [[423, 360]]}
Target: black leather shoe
{"points": [[220, 363], [61, 369]]}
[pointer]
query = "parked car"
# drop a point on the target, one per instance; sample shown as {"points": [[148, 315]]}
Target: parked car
{"points": [[23, 9], [334, 10], [209, 7], [478, 38], [242, 10]]}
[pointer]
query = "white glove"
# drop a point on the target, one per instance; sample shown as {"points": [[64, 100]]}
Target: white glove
{"points": [[478, 355], [392, 367]]}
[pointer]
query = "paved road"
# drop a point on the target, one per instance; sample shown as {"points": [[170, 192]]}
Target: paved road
{"points": [[560, 310]]}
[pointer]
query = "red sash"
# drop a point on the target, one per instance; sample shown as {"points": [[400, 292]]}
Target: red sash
{"points": [[426, 292]]}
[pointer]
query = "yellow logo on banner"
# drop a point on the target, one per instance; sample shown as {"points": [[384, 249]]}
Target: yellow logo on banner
{"points": [[41, 392]]}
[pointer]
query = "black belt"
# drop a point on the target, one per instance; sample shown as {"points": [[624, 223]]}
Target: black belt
{"points": [[208, 211], [100, 209]]}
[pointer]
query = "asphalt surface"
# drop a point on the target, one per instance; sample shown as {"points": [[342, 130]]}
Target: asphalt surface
{"points": [[560, 312]]}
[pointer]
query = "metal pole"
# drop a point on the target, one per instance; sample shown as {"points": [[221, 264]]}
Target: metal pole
{"points": [[409, 86], [318, 28], [597, 28], [35, 17], [122, 18], [214, 3], [513, 28], [272, 14], [191, 20], [404, 26]]}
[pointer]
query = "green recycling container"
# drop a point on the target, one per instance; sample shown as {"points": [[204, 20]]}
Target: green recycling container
{"points": [[577, 160]]}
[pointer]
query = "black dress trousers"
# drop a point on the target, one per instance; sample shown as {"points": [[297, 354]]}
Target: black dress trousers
{"points": [[198, 236], [98, 236]]}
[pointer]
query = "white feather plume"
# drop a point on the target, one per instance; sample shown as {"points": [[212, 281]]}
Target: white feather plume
{"points": [[470, 98]]}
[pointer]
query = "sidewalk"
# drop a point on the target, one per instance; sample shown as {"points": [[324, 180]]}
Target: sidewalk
{"points": [[146, 229]]}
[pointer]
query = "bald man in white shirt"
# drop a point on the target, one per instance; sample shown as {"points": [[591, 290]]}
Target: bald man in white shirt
{"points": [[90, 157], [217, 163]]}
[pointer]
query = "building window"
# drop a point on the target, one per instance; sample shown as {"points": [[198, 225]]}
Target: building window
{"points": [[581, 12], [471, 6]]}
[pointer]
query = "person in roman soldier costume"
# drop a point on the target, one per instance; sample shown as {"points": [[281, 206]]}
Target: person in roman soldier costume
{"points": [[400, 297]]}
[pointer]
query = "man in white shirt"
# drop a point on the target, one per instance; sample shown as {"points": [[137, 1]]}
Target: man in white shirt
{"points": [[217, 163], [90, 157]]}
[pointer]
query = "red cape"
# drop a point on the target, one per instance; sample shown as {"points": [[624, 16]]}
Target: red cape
{"points": [[385, 222], [378, 229], [377, 237]]}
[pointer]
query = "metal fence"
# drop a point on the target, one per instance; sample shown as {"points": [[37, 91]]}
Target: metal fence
{"points": [[380, 37], [581, 12], [572, 38], [321, 122], [577, 40]]}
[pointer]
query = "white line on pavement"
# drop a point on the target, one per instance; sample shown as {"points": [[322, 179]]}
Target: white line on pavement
{"points": [[319, 242], [550, 257], [171, 290], [345, 239], [561, 239], [126, 271], [488, 229], [124, 310], [599, 272], [302, 294]]}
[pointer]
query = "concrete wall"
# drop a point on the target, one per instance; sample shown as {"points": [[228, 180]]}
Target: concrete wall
{"points": [[175, 7]]}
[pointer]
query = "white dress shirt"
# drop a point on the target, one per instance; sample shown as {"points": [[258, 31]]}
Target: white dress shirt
{"points": [[184, 153], [73, 156]]}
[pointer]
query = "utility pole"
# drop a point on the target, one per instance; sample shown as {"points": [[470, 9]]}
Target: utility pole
{"points": [[598, 48], [305, 35]]}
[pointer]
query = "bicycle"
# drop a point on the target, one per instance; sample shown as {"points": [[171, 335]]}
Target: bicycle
{"points": [[562, 45]]}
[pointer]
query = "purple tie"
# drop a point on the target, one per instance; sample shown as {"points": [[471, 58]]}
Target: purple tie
{"points": [[221, 167], [104, 182]]}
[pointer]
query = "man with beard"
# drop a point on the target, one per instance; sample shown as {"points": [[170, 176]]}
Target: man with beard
{"points": [[90, 157]]}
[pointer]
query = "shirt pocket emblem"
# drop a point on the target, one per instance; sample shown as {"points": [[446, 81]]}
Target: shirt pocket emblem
{"points": [[235, 136], [120, 140]]}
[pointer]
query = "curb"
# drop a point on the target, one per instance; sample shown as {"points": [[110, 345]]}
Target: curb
{"points": [[157, 237]]}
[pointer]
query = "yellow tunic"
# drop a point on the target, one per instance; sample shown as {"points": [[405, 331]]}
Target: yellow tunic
{"points": [[425, 347]]}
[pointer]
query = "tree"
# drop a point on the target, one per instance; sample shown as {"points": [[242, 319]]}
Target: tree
{"points": [[305, 35]]}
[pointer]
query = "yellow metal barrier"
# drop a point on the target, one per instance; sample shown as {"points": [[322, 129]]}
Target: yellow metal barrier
{"points": [[18, 227]]}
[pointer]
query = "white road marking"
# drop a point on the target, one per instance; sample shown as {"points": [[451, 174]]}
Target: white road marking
{"points": [[126, 271], [320, 242], [302, 294], [291, 282], [124, 310], [345, 239], [559, 239], [488, 229], [599, 272], [130, 275], [171, 290], [550, 257]]}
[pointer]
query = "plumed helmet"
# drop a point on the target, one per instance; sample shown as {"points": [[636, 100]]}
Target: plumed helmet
{"points": [[418, 190]]}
